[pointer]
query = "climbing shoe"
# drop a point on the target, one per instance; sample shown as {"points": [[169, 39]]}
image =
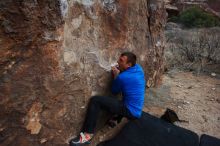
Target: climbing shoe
{"points": [[81, 140]]}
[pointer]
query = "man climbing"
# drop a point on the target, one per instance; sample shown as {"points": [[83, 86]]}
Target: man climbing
{"points": [[128, 80]]}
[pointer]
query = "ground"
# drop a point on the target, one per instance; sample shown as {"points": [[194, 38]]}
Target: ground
{"points": [[195, 98]]}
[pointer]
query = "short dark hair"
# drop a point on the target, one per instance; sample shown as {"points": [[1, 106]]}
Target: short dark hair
{"points": [[131, 57]]}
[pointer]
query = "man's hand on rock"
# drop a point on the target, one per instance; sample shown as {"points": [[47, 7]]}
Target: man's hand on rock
{"points": [[115, 71]]}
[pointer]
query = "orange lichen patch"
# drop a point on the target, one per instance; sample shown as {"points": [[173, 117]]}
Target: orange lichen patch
{"points": [[50, 58], [34, 119]]}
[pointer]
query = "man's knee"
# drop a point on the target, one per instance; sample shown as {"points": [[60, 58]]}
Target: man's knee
{"points": [[95, 99]]}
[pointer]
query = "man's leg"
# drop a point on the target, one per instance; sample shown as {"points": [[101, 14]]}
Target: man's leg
{"points": [[96, 104]]}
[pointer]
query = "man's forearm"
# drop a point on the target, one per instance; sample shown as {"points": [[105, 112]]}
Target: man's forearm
{"points": [[115, 72]]}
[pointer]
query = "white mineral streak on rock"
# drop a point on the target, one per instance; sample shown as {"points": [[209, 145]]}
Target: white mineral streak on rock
{"points": [[87, 2], [153, 7], [94, 93], [63, 7], [90, 12], [142, 57], [88, 8], [69, 57], [114, 64], [77, 22], [102, 62], [158, 44], [106, 65], [109, 5]]}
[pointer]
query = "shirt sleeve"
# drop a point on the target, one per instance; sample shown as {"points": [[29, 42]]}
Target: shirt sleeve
{"points": [[116, 85]]}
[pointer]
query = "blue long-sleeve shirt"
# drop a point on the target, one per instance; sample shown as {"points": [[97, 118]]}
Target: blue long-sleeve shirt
{"points": [[131, 83]]}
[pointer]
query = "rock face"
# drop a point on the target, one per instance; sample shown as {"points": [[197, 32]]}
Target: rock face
{"points": [[55, 55]]}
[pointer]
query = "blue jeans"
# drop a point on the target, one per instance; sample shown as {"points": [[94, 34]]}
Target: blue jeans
{"points": [[109, 104]]}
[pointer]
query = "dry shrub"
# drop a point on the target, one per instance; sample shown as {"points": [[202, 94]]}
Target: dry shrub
{"points": [[192, 48]]}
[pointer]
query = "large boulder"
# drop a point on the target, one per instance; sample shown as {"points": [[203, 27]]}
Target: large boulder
{"points": [[55, 55]]}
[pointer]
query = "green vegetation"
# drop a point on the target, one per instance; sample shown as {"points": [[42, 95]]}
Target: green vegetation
{"points": [[196, 17]]}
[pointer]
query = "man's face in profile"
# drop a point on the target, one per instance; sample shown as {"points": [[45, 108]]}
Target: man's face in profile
{"points": [[122, 63]]}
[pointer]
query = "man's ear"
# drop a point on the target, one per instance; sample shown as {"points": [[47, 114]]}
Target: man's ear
{"points": [[129, 64]]}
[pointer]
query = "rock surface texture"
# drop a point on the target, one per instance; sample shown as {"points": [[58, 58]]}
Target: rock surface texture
{"points": [[54, 55]]}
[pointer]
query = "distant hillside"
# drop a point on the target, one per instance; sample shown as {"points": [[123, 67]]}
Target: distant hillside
{"points": [[174, 7], [196, 17]]}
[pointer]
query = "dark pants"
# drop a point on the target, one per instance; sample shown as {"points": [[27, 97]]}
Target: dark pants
{"points": [[109, 104]]}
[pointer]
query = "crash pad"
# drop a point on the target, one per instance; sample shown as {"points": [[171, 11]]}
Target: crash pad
{"points": [[152, 131], [207, 140]]}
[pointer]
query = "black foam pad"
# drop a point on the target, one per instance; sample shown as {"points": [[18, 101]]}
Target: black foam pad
{"points": [[207, 140], [152, 131]]}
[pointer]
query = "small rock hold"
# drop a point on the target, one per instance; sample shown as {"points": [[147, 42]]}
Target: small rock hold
{"points": [[82, 107], [179, 107], [186, 102], [43, 140], [190, 87], [179, 86], [101, 138], [205, 118], [186, 92], [158, 44], [213, 74], [1, 129], [213, 88]]}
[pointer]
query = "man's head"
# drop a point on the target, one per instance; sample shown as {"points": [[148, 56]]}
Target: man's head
{"points": [[126, 60]]}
